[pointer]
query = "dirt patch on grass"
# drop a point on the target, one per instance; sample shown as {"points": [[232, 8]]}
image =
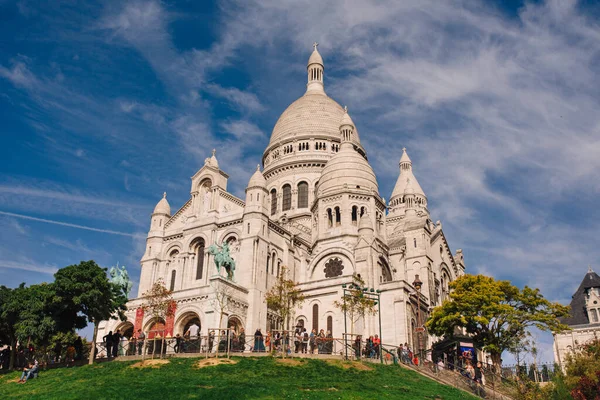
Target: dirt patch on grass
{"points": [[211, 362], [205, 387], [350, 364], [289, 361], [331, 389], [149, 364]]}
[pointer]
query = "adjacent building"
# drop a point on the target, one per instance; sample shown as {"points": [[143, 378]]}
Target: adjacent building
{"points": [[584, 318]]}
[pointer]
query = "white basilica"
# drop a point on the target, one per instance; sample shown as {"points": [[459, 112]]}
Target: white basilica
{"points": [[315, 208]]}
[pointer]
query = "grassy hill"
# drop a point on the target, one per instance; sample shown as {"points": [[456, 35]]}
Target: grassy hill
{"points": [[248, 378]]}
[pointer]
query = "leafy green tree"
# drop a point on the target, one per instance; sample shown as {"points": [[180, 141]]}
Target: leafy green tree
{"points": [[26, 314], [582, 369], [494, 312], [158, 302], [84, 294], [10, 312], [354, 303], [284, 297]]}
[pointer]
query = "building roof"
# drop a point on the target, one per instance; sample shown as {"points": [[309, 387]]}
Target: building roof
{"points": [[578, 313]]}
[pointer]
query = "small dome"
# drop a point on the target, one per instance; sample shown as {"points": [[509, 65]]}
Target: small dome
{"points": [[315, 58], [346, 120], [347, 170], [257, 179], [163, 207]]}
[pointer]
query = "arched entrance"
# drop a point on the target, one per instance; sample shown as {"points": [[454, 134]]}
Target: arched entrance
{"points": [[235, 323], [157, 328], [126, 329], [186, 320]]}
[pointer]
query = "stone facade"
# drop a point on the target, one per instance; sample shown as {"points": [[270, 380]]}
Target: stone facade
{"points": [[584, 318], [315, 208]]}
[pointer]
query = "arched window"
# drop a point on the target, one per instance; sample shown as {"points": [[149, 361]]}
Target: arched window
{"points": [[302, 195], [354, 214], [338, 216], [273, 202], [362, 211], [278, 267], [268, 259], [287, 198], [329, 218], [330, 324], [173, 275], [415, 242], [315, 318], [200, 259]]}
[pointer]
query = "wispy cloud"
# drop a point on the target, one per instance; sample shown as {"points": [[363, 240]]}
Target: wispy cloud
{"points": [[67, 224], [26, 266]]}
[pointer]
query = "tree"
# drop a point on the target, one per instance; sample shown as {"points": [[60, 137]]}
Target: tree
{"points": [[354, 303], [221, 299], [158, 302], [10, 314], [494, 312], [583, 371], [84, 294], [284, 297]]}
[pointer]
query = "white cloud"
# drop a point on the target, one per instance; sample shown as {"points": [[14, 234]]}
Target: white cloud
{"points": [[242, 130]]}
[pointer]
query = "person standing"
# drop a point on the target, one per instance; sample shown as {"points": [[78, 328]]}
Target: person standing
{"points": [[116, 342], [108, 340], [140, 341], [258, 341], [178, 340], [211, 341], [312, 341], [321, 341], [305, 339], [78, 344], [242, 340], [356, 347], [192, 332]]}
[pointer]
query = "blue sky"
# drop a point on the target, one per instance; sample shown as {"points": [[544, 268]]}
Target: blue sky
{"points": [[105, 106]]}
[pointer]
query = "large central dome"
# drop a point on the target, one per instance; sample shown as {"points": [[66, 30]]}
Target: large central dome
{"points": [[314, 114]]}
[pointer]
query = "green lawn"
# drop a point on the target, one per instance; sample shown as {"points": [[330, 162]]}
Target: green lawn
{"points": [[250, 378]]}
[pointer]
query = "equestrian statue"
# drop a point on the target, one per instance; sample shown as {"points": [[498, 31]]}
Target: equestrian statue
{"points": [[120, 277], [222, 258]]}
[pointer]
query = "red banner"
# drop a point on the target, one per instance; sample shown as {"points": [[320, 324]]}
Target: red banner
{"points": [[139, 319], [170, 323]]}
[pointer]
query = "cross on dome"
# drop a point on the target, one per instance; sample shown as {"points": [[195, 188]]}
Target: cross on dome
{"points": [[315, 44], [164, 195], [214, 151], [258, 167]]}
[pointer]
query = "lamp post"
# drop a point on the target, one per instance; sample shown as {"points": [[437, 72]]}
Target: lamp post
{"points": [[419, 329], [371, 294]]}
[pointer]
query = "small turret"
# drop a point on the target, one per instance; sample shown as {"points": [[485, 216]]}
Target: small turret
{"points": [[407, 194], [256, 193], [162, 212]]}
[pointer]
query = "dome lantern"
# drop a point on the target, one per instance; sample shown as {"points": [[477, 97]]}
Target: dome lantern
{"points": [[315, 70], [346, 127]]}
